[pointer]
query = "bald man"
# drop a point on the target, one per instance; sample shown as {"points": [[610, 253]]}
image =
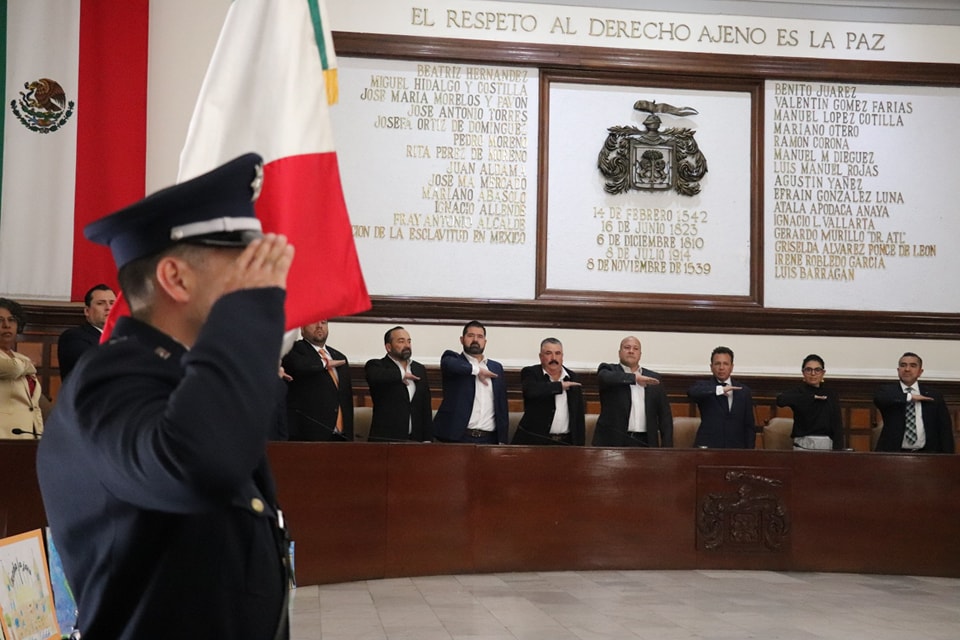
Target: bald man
{"points": [[634, 411]]}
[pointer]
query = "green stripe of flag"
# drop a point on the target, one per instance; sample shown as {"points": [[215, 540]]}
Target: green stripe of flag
{"points": [[318, 32]]}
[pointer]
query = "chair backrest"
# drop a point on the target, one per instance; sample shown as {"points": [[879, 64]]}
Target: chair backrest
{"points": [[514, 421], [590, 425], [685, 431], [875, 435], [362, 416], [776, 434]]}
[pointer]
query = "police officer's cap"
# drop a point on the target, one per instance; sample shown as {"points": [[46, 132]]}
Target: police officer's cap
{"points": [[214, 209]]}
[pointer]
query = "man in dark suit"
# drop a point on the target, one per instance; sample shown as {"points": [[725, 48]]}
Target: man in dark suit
{"points": [[76, 340], [726, 407], [634, 411], [400, 393], [153, 464], [915, 416], [474, 406], [319, 391], [553, 406]]}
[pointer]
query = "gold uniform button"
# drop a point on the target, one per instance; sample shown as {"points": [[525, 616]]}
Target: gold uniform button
{"points": [[257, 505]]}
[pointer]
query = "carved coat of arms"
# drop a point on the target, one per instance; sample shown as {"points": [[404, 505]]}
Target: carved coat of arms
{"points": [[652, 160], [43, 106]]}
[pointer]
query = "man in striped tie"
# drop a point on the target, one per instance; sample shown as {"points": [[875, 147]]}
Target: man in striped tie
{"points": [[915, 416]]}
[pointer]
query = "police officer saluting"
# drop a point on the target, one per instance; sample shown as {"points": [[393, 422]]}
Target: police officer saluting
{"points": [[152, 466]]}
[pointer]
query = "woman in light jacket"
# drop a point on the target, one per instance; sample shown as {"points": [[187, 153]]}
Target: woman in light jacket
{"points": [[20, 392]]}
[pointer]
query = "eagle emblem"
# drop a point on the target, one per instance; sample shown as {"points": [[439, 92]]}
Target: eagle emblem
{"points": [[43, 106], [652, 160]]}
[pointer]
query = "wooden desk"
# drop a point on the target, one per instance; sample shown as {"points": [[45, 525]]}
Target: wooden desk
{"points": [[365, 511]]}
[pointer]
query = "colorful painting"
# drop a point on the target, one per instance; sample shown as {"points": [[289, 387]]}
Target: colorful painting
{"points": [[26, 599], [62, 594]]}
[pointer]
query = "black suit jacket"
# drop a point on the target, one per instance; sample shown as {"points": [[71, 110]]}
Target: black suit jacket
{"points": [[723, 426], [73, 343], [937, 425], [615, 404], [397, 417], [540, 405], [313, 399]]}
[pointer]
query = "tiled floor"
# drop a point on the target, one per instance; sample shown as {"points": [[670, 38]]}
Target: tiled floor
{"points": [[623, 605]]}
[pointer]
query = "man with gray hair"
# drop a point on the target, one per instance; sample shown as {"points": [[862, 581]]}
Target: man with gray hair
{"points": [[553, 408]]}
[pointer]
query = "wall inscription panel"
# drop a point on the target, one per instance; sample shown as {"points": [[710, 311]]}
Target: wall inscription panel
{"points": [[648, 240], [438, 163], [859, 192]]}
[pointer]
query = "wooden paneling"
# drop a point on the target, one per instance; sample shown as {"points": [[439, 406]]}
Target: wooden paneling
{"points": [[364, 511], [466, 509]]}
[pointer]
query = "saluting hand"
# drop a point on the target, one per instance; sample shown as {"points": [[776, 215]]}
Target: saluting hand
{"points": [[265, 262], [646, 381], [485, 375]]}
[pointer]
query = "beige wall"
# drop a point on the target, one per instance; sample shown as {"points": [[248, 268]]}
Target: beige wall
{"points": [[182, 36]]}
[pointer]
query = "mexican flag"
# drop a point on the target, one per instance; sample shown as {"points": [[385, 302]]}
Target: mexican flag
{"points": [[268, 89], [73, 138]]}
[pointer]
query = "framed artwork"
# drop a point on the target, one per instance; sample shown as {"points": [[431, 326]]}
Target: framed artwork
{"points": [[62, 594], [26, 599]]}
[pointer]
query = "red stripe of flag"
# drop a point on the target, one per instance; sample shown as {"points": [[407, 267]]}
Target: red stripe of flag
{"points": [[111, 126]]}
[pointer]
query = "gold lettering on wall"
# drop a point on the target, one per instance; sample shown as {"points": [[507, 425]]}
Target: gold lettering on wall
{"points": [[650, 241], [837, 209], [475, 186]]}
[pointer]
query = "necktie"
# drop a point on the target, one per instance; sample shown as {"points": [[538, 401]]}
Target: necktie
{"points": [[911, 420], [729, 397], [336, 382]]}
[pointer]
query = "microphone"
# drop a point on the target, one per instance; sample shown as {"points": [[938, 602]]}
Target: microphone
{"points": [[625, 435], [543, 437], [17, 431], [336, 434]]}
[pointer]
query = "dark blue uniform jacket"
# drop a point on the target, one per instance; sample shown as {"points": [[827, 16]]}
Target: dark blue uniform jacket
{"points": [[155, 481]]}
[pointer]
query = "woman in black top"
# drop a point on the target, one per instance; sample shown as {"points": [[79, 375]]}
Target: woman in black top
{"points": [[816, 409]]}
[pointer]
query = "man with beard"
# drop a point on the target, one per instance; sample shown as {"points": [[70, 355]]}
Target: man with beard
{"points": [[400, 393], [319, 391], [552, 401], [474, 406]]}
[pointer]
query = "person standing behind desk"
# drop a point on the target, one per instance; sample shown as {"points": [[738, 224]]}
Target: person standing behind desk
{"points": [[400, 392], [319, 391], [474, 406], [553, 408], [21, 397], [726, 407], [634, 410], [915, 416], [153, 466], [817, 422], [76, 340]]}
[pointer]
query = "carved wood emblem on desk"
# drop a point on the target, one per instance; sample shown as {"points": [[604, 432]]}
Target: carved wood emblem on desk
{"points": [[652, 160], [751, 515]]}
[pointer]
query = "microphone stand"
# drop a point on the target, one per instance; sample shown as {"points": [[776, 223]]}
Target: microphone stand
{"points": [[547, 438], [337, 435]]}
